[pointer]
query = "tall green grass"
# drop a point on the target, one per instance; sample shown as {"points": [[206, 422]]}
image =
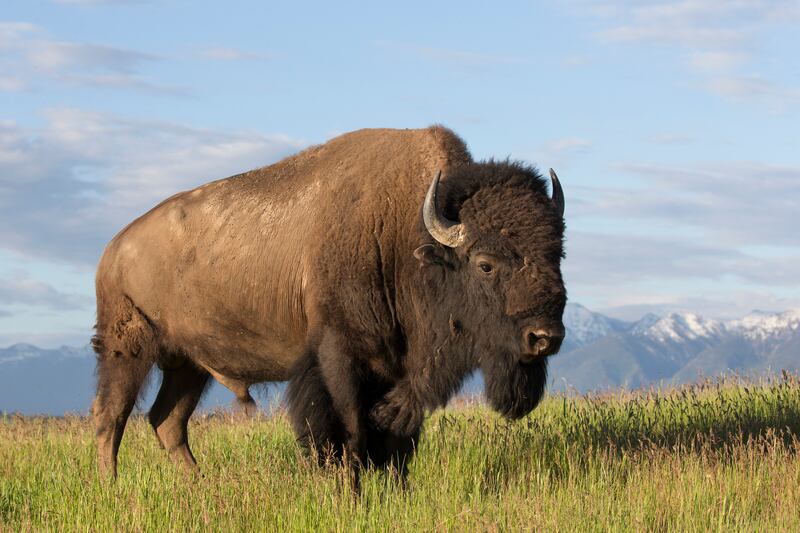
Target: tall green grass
{"points": [[713, 456]]}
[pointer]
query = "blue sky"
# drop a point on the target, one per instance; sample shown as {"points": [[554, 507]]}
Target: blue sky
{"points": [[673, 126]]}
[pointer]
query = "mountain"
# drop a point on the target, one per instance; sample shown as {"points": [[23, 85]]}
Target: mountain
{"points": [[53, 382], [585, 326], [677, 348], [599, 352]]}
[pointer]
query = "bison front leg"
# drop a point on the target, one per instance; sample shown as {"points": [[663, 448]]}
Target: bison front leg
{"points": [[311, 412], [342, 380], [400, 411]]}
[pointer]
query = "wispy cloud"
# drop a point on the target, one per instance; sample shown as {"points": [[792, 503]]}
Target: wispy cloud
{"points": [[66, 188], [736, 204], [750, 87], [34, 57], [727, 228], [622, 258], [22, 289], [12, 84], [720, 41], [559, 152], [634, 274]]}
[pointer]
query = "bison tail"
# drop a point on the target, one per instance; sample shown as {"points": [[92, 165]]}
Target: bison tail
{"points": [[124, 331]]}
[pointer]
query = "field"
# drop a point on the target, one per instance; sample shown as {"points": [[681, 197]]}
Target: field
{"points": [[713, 456]]}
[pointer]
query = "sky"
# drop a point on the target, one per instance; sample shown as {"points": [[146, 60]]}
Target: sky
{"points": [[673, 125]]}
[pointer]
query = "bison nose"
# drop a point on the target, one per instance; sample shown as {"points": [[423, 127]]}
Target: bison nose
{"points": [[538, 342]]}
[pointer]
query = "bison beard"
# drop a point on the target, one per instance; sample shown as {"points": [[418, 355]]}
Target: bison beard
{"points": [[514, 389]]}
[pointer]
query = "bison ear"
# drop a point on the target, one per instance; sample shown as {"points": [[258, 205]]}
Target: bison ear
{"points": [[431, 254]]}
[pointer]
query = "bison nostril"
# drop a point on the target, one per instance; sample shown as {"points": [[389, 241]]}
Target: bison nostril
{"points": [[541, 345], [538, 343]]}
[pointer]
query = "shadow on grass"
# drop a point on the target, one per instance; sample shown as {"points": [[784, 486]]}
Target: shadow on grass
{"points": [[721, 420]]}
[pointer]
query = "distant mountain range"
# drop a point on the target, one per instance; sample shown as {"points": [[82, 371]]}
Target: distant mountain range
{"points": [[678, 348], [599, 352]]}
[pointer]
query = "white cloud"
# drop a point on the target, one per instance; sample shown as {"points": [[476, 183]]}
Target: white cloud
{"points": [[720, 40], [66, 188], [630, 275], [737, 203], [717, 60], [749, 87], [11, 84], [619, 259], [695, 237], [22, 289], [58, 56], [34, 58]]}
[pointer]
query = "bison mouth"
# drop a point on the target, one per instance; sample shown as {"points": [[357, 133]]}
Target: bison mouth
{"points": [[514, 389]]}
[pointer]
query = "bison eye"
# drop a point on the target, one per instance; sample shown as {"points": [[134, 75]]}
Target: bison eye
{"points": [[486, 267]]}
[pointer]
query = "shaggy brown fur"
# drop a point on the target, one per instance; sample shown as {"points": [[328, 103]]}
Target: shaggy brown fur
{"points": [[319, 269]]}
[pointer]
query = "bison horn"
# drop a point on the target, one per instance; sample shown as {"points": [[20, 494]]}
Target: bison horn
{"points": [[445, 231], [558, 193]]}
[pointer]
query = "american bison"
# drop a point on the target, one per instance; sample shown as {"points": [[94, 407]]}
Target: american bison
{"points": [[374, 272]]}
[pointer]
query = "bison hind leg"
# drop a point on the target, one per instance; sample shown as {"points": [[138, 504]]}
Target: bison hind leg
{"points": [[180, 392], [126, 349], [311, 411], [245, 406]]}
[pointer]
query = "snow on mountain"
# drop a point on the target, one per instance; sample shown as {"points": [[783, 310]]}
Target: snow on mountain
{"points": [[585, 326], [18, 352], [759, 325], [678, 327], [23, 351], [644, 323]]}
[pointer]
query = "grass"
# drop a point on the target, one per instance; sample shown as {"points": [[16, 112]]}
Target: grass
{"points": [[713, 456]]}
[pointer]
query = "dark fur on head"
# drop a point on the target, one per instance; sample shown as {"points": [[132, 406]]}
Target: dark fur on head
{"points": [[474, 319]]}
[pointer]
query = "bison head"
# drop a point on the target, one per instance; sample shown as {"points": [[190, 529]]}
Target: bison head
{"points": [[500, 281]]}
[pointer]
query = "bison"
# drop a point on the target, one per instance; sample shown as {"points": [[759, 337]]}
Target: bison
{"points": [[373, 272]]}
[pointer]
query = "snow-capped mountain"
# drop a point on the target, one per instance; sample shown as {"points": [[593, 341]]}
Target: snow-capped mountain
{"points": [[677, 348], [584, 326], [762, 325], [681, 327]]}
